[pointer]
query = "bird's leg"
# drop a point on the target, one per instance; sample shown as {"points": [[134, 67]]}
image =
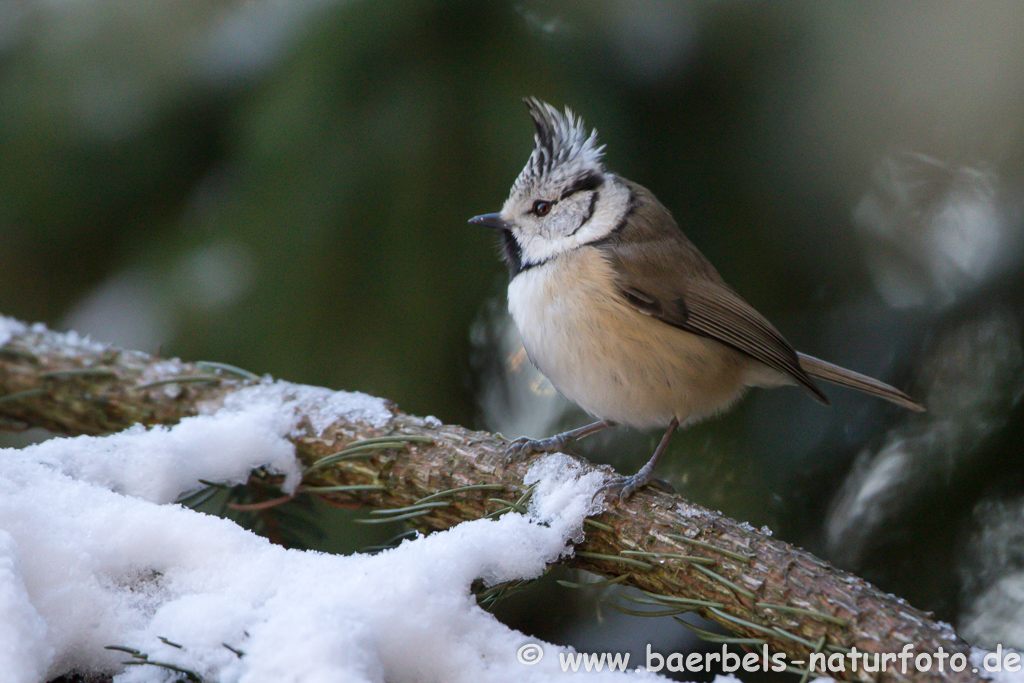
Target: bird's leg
{"points": [[627, 485], [523, 447]]}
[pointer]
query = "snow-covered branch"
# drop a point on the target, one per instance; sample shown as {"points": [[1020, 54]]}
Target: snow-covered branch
{"points": [[359, 450]]}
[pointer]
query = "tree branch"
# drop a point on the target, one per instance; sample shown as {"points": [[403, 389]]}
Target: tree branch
{"points": [[687, 557]]}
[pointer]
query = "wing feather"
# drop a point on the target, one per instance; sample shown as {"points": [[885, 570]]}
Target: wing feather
{"points": [[661, 274]]}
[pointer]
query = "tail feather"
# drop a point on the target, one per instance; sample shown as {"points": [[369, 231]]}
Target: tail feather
{"points": [[854, 380]]}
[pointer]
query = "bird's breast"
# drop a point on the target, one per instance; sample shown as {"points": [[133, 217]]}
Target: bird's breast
{"points": [[613, 361]]}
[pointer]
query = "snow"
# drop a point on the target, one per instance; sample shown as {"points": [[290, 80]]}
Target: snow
{"points": [[54, 341], [320, 406], [10, 327], [92, 555], [161, 463]]}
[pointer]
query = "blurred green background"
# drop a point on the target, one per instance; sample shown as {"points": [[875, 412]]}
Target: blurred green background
{"points": [[285, 187]]}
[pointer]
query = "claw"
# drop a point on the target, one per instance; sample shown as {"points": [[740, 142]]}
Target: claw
{"points": [[524, 447], [517, 450], [629, 485], [626, 486]]}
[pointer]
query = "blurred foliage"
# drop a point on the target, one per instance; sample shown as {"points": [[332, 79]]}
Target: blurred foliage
{"points": [[285, 187]]}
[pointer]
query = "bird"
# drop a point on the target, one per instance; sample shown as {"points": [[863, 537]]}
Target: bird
{"points": [[619, 309]]}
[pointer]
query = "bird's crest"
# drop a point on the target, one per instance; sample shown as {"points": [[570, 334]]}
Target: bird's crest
{"points": [[564, 151]]}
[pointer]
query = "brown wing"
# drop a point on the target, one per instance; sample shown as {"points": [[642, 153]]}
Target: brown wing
{"points": [[717, 312], [663, 275]]}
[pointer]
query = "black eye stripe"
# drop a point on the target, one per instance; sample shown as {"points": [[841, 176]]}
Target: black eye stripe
{"points": [[590, 181], [590, 212]]}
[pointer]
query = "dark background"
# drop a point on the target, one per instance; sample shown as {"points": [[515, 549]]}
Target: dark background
{"points": [[285, 187]]}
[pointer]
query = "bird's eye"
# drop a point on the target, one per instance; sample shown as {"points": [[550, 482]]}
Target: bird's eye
{"points": [[541, 207]]}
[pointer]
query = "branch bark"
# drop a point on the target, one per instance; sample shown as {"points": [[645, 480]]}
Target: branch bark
{"points": [[690, 558]]}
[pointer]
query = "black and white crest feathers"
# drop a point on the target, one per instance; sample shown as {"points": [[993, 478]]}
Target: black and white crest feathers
{"points": [[565, 155]]}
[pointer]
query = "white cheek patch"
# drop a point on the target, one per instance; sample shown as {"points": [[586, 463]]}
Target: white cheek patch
{"points": [[538, 248], [581, 208], [611, 205], [561, 223], [599, 225]]}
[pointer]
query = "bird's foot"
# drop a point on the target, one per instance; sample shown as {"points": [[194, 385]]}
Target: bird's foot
{"points": [[627, 486], [523, 447]]}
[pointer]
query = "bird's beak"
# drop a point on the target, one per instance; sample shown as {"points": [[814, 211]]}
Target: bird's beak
{"points": [[490, 220]]}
